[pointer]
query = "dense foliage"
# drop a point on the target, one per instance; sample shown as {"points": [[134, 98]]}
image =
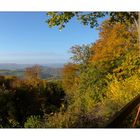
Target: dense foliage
{"points": [[96, 90], [99, 81], [22, 99], [60, 19]]}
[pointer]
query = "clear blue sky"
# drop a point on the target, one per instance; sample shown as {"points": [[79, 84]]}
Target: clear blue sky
{"points": [[25, 38]]}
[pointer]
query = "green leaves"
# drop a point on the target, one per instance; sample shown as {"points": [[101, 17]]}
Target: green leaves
{"points": [[60, 19], [33, 122], [123, 17], [81, 54]]}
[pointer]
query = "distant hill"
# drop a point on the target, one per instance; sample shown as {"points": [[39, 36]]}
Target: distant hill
{"points": [[50, 71], [14, 66]]}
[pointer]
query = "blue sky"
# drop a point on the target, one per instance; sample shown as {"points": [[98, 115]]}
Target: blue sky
{"points": [[25, 38]]}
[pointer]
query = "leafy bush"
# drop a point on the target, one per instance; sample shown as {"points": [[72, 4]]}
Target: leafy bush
{"points": [[7, 109], [33, 122]]}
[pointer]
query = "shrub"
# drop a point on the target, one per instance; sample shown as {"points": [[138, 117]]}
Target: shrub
{"points": [[33, 122]]}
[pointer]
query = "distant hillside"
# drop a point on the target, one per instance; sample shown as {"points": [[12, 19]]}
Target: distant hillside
{"points": [[14, 66], [49, 72], [18, 70]]}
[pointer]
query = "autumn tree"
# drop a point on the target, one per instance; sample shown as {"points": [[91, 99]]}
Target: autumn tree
{"points": [[115, 40], [111, 78], [33, 72], [128, 18], [69, 75], [80, 54], [7, 109], [71, 71], [60, 19]]}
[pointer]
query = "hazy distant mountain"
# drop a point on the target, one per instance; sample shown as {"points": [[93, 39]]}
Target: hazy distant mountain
{"points": [[51, 71], [14, 66]]}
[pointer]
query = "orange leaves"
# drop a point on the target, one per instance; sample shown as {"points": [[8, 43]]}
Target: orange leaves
{"points": [[33, 72], [69, 75], [115, 40], [69, 69]]}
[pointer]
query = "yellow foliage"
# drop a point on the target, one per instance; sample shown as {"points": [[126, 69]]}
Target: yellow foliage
{"points": [[69, 77], [114, 41], [119, 93]]}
